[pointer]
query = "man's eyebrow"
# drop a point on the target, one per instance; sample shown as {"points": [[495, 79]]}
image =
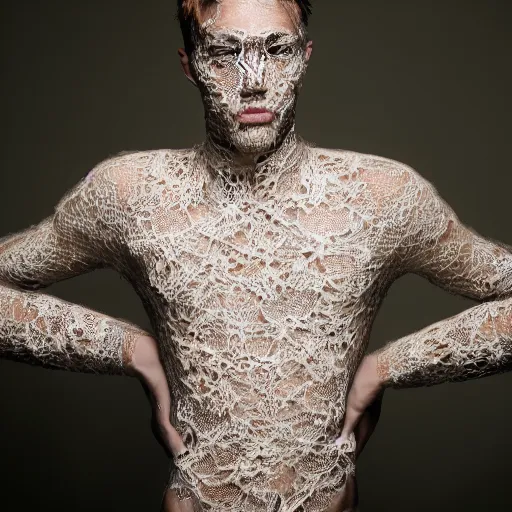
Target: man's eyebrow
{"points": [[231, 36], [237, 36], [279, 33], [277, 36]]}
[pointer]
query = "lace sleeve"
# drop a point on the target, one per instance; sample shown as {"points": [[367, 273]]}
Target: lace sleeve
{"points": [[82, 235], [439, 247], [475, 343]]}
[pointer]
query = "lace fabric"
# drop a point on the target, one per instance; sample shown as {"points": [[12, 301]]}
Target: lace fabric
{"points": [[262, 298]]}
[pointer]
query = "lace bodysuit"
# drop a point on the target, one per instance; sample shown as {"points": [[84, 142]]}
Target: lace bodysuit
{"points": [[261, 297]]}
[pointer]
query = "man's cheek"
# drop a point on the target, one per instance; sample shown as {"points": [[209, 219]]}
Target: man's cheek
{"points": [[290, 78], [227, 77], [214, 91]]}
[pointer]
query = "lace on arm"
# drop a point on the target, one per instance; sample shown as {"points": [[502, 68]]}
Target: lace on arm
{"points": [[477, 342], [473, 344], [436, 245], [83, 234]]}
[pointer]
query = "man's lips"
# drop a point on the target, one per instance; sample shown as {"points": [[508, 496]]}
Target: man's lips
{"points": [[256, 116]]}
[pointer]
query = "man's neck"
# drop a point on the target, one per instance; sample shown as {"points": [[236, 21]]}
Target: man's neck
{"points": [[256, 173]]}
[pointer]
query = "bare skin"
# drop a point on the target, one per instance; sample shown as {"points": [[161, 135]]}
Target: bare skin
{"points": [[262, 262]]}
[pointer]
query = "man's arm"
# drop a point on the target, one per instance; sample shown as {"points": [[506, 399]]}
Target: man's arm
{"points": [[477, 342], [81, 235], [85, 232]]}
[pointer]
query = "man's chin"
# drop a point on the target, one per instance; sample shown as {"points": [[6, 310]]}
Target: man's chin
{"points": [[256, 138]]}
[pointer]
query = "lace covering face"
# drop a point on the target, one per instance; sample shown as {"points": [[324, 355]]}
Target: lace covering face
{"points": [[260, 65]]}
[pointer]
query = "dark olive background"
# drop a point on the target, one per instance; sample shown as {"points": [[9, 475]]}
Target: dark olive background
{"points": [[426, 83]]}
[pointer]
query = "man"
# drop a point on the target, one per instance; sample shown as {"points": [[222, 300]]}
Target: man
{"points": [[262, 262]]}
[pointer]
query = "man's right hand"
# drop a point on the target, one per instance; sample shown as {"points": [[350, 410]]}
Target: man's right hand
{"points": [[364, 403], [147, 367]]}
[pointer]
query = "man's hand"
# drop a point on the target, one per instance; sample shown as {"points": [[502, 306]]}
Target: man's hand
{"points": [[148, 368], [363, 403]]}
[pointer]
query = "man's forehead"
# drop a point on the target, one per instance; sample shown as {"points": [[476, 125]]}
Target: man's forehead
{"points": [[250, 18]]}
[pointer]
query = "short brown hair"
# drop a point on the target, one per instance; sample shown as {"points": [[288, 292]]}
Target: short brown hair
{"points": [[189, 14]]}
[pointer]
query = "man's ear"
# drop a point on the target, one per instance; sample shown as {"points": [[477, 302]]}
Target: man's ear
{"points": [[309, 50], [185, 64]]}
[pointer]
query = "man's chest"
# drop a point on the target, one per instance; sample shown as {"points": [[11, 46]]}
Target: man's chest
{"points": [[257, 262]]}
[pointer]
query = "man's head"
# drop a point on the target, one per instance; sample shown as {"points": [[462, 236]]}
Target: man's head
{"points": [[248, 58]]}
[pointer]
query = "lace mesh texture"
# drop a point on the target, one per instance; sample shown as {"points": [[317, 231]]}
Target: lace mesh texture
{"points": [[262, 298]]}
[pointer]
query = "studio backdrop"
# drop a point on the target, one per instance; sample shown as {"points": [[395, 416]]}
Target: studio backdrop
{"points": [[425, 83]]}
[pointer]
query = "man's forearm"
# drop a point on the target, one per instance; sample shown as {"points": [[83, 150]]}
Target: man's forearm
{"points": [[40, 329], [475, 343]]}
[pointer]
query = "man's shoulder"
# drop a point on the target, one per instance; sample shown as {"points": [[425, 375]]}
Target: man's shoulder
{"points": [[131, 164], [119, 185], [342, 160], [383, 176], [126, 171], [124, 176]]}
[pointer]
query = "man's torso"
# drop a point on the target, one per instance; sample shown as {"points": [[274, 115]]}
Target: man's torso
{"points": [[263, 305]]}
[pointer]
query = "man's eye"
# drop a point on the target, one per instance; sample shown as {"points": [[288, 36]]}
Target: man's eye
{"points": [[223, 51], [280, 49]]}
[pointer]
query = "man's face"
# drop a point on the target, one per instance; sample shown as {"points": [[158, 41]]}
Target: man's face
{"points": [[249, 61]]}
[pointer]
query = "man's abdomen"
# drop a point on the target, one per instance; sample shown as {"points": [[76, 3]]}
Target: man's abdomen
{"points": [[284, 477], [259, 401], [266, 452]]}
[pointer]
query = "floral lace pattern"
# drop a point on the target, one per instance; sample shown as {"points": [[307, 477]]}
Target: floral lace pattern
{"points": [[262, 297]]}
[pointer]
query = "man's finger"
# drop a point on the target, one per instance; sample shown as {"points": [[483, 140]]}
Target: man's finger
{"points": [[352, 416], [362, 431], [367, 423]]}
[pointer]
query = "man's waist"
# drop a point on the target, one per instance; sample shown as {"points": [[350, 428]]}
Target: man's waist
{"points": [[218, 463]]}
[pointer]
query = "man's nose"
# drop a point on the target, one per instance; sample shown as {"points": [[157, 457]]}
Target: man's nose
{"points": [[253, 91], [253, 73]]}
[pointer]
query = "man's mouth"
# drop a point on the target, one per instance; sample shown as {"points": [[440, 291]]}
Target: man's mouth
{"points": [[254, 115]]}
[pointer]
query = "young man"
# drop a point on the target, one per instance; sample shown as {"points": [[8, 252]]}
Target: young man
{"points": [[262, 262]]}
